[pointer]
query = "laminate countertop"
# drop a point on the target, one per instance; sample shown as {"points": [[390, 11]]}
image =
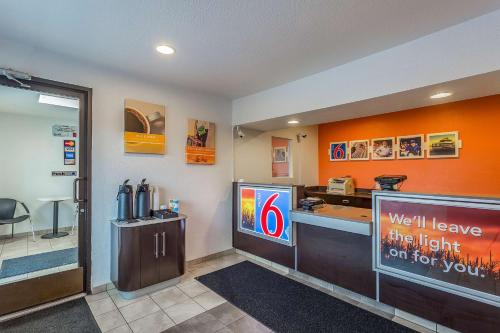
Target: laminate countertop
{"points": [[140, 222], [344, 218]]}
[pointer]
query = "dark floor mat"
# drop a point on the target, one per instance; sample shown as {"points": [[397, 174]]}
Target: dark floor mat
{"points": [[73, 316], [38, 262], [285, 305]]}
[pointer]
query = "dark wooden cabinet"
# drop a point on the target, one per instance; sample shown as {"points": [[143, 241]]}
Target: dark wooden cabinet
{"points": [[147, 254], [338, 257]]}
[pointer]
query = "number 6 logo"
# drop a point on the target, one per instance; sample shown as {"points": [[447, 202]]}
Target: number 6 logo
{"points": [[270, 208]]}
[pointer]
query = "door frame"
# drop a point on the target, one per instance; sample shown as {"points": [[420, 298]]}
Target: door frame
{"points": [[85, 160]]}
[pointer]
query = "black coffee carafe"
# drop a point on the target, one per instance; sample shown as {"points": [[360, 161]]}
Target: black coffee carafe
{"points": [[142, 201], [125, 202]]}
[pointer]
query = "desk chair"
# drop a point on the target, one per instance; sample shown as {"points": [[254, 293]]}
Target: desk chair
{"points": [[7, 211]]}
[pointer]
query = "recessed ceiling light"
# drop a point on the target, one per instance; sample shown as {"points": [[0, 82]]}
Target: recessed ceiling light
{"points": [[293, 122], [441, 95], [165, 49], [59, 101]]}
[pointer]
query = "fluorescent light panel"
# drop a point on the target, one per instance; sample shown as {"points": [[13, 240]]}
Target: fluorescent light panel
{"points": [[59, 101], [441, 95]]}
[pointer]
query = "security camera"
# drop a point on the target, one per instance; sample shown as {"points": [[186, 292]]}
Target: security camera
{"points": [[301, 136], [241, 135]]}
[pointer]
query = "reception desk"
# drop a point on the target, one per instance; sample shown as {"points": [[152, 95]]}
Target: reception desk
{"points": [[346, 246]]}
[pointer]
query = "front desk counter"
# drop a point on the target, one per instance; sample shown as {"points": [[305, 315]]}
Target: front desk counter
{"points": [[334, 244]]}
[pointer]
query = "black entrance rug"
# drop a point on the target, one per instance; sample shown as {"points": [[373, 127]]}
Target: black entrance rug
{"points": [[72, 316], [38, 262], [285, 305]]}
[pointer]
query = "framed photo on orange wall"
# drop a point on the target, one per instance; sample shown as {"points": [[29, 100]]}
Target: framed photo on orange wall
{"points": [[443, 145], [410, 146], [358, 150], [383, 148]]}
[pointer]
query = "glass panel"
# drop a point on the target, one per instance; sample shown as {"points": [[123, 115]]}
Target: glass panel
{"points": [[38, 219]]}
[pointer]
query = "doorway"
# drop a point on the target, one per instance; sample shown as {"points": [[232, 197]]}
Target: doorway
{"points": [[45, 187]]}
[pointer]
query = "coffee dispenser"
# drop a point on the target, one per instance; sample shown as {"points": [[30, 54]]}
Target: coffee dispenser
{"points": [[142, 201], [125, 202]]}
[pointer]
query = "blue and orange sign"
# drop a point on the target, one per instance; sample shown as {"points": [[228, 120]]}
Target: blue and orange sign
{"points": [[338, 151], [265, 212]]}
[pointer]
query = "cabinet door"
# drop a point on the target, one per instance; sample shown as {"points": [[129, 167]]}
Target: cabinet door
{"points": [[171, 250], [150, 252]]}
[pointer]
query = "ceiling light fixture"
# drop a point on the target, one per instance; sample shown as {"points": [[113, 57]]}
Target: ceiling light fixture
{"points": [[165, 49], [293, 122], [441, 95], [59, 101]]}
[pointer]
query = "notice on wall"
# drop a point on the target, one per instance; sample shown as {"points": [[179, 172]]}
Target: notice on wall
{"points": [[450, 243], [69, 152], [264, 212], [64, 131]]}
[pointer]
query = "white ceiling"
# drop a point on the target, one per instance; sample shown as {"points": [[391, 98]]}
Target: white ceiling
{"points": [[25, 102], [231, 48], [466, 88]]}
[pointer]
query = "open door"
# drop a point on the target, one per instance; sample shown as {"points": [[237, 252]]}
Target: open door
{"points": [[45, 144]]}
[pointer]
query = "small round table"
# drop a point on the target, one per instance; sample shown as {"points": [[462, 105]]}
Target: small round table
{"points": [[55, 218]]}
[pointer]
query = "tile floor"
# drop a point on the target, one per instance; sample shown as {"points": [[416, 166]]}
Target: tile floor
{"points": [[192, 307], [21, 246]]}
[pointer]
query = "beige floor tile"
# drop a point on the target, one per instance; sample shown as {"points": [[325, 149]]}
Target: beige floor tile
{"points": [[168, 297], [204, 322], [209, 300], [139, 309], [248, 324], [192, 288], [227, 313], [153, 323], [102, 306], [110, 320], [120, 302], [122, 329], [96, 297], [43, 272], [183, 311], [68, 267], [13, 278]]}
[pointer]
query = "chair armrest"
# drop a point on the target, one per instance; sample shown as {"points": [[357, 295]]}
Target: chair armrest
{"points": [[25, 207]]}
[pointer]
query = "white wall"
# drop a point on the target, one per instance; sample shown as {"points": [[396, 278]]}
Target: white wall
{"points": [[253, 156], [29, 154], [467, 49], [204, 191]]}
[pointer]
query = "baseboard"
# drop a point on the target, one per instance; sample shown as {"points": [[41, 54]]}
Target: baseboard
{"points": [[107, 286]]}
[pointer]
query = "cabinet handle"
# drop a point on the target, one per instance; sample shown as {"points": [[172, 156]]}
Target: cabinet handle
{"points": [[345, 201], [156, 245], [163, 241]]}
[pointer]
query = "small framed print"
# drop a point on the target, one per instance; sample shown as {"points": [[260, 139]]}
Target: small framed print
{"points": [[338, 151], [410, 146], [383, 148], [443, 145], [358, 150], [280, 154]]}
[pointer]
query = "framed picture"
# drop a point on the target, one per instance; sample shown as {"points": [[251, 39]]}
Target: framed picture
{"points": [[383, 148], [443, 145], [410, 146], [358, 150], [280, 154], [200, 142], [144, 127], [338, 151]]}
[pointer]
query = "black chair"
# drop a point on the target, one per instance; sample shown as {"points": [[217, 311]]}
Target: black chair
{"points": [[8, 210]]}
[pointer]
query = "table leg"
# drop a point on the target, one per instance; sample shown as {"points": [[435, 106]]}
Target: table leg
{"points": [[55, 224]]}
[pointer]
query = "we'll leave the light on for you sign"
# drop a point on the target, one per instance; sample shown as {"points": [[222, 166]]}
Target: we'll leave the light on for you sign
{"points": [[449, 243]]}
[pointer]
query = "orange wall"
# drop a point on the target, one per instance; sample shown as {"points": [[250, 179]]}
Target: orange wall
{"points": [[475, 172]]}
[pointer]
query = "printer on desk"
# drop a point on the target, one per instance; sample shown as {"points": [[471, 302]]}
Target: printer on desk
{"points": [[340, 185]]}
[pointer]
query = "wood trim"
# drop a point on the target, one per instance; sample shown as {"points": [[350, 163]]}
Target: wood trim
{"points": [[40, 290]]}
